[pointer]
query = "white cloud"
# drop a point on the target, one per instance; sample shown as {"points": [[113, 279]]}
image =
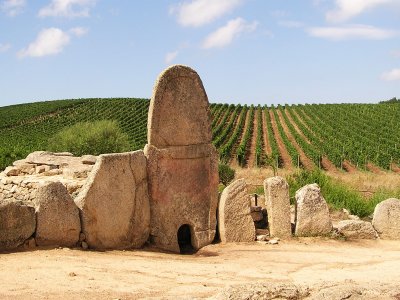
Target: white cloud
{"points": [[352, 32], [170, 56], [200, 12], [79, 31], [49, 41], [279, 14], [223, 36], [290, 24], [396, 53], [347, 9], [67, 8], [12, 7], [4, 47], [391, 75]]}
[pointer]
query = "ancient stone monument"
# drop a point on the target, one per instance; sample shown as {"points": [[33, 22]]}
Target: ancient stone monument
{"points": [[57, 216], [182, 163], [312, 212], [277, 202], [114, 202], [386, 219], [235, 223]]}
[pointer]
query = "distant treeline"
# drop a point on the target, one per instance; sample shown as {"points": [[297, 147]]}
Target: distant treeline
{"points": [[393, 100]]}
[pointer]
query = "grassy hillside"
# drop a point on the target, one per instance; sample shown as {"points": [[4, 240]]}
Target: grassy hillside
{"points": [[327, 136]]}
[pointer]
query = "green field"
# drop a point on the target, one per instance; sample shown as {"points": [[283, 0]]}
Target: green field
{"points": [[363, 136]]}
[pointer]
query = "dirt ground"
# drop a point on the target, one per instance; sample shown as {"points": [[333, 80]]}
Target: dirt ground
{"points": [[306, 262]]}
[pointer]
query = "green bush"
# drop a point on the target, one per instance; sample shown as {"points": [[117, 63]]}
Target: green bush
{"points": [[335, 193], [90, 138], [226, 174]]}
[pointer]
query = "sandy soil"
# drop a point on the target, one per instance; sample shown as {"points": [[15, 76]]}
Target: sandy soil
{"points": [[73, 274]]}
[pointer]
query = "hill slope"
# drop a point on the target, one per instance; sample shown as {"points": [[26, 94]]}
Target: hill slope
{"points": [[328, 136]]}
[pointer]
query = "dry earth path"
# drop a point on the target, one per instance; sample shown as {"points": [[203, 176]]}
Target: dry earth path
{"points": [[252, 150], [145, 274], [267, 145]]}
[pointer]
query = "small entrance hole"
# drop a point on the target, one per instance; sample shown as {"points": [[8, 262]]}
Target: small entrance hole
{"points": [[185, 240]]}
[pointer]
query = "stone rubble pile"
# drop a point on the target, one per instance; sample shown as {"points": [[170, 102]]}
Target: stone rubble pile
{"points": [[20, 181]]}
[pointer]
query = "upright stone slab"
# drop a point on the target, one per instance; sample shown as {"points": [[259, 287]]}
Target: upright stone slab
{"points": [[277, 202], [114, 202], [17, 224], [312, 212], [235, 223], [57, 215], [182, 163], [386, 219]]}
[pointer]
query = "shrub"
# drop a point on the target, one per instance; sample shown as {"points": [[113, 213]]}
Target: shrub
{"points": [[90, 138], [226, 174], [336, 194]]}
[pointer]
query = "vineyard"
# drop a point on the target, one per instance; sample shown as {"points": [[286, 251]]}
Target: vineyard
{"points": [[326, 136]]}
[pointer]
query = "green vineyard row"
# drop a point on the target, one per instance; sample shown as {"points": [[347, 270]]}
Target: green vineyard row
{"points": [[342, 134]]}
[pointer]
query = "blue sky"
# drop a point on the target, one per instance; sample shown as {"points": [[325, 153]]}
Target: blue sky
{"points": [[246, 51]]}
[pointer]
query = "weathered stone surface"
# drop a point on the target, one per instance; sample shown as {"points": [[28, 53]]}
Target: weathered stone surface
{"points": [[17, 224], [89, 159], [386, 219], [264, 291], [356, 229], [12, 171], [277, 202], [114, 202], [312, 212], [182, 162], [234, 220], [58, 222], [183, 191], [179, 110]]}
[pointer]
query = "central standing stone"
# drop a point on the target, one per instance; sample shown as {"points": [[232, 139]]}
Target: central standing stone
{"points": [[182, 163]]}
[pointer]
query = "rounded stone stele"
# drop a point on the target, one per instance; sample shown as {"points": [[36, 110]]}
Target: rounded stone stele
{"points": [[277, 202], [235, 223], [312, 212], [386, 219], [182, 163], [179, 110]]}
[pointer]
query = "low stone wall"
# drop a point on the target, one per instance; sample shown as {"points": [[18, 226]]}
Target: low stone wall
{"points": [[103, 202], [37, 204]]}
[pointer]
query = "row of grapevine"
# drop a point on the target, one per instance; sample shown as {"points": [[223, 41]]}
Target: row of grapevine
{"points": [[307, 148], [225, 151], [217, 114], [294, 155], [224, 135], [242, 150], [217, 128], [359, 133], [275, 158], [260, 152]]}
